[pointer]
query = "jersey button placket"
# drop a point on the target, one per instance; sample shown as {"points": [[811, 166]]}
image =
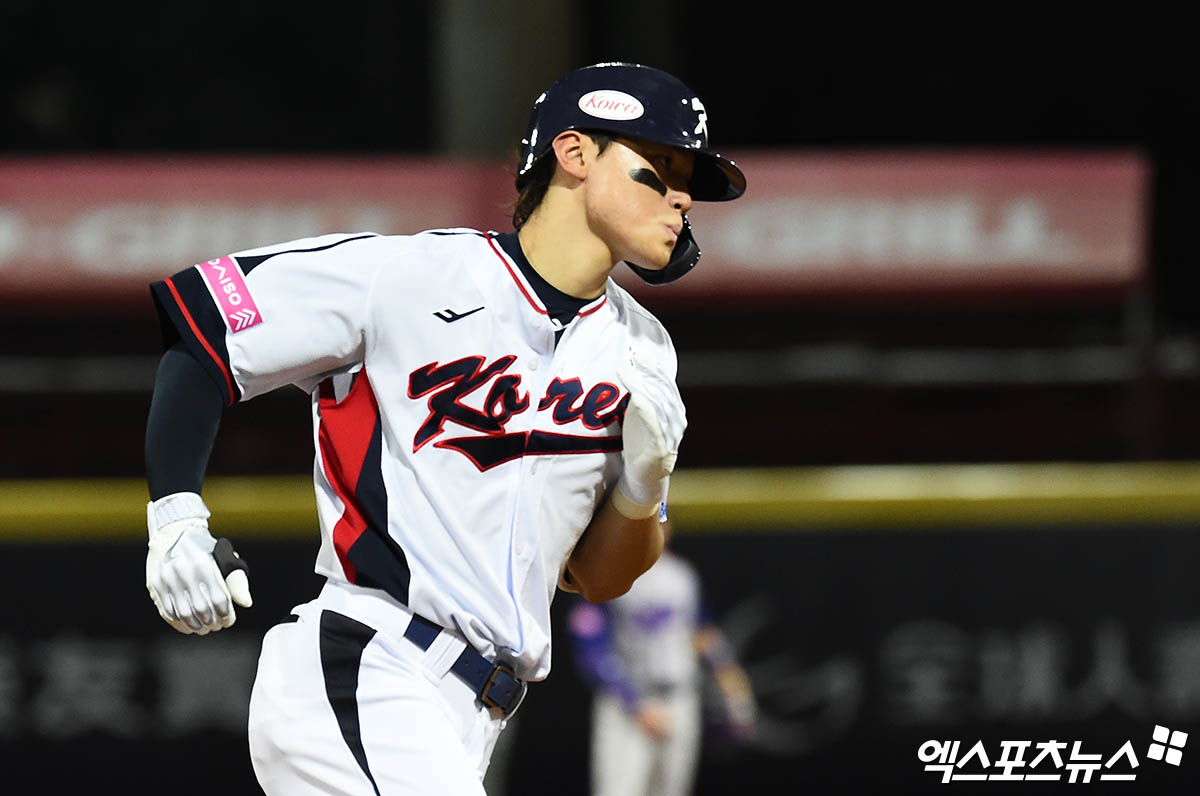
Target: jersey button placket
{"points": [[527, 491]]}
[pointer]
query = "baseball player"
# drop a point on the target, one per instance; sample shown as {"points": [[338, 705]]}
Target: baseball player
{"points": [[642, 653], [492, 416]]}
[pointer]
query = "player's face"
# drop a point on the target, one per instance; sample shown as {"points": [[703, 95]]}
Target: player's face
{"points": [[640, 196]]}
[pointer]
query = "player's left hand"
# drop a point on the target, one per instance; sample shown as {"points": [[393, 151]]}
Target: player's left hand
{"points": [[183, 576], [741, 711], [654, 719], [743, 717], [653, 427]]}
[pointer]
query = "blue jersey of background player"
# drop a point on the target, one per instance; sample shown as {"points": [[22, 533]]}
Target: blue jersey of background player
{"points": [[643, 653]]}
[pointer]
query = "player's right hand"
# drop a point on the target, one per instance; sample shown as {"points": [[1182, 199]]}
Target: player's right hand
{"points": [[182, 576], [650, 435]]}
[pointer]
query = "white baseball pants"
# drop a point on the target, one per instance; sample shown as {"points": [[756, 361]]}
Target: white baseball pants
{"points": [[627, 761], [344, 704]]}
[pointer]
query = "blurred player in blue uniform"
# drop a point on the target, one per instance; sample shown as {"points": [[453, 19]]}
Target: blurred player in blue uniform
{"points": [[645, 653]]}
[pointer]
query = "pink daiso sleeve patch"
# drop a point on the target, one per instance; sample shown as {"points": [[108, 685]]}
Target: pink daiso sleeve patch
{"points": [[227, 284]]}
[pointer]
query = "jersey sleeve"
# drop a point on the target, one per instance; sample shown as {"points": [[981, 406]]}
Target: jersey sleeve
{"points": [[590, 627], [285, 314], [647, 335]]}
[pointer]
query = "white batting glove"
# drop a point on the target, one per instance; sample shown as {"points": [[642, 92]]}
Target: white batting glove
{"points": [[182, 575], [654, 423]]}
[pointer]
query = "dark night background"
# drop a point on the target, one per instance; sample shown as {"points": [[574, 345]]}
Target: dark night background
{"points": [[361, 80]]}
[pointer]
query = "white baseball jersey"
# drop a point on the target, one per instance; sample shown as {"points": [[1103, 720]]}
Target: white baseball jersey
{"points": [[460, 452]]}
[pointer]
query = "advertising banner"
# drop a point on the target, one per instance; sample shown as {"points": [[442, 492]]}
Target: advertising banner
{"points": [[872, 223], [96, 230]]}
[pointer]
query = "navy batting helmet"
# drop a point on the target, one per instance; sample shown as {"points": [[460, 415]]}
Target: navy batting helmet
{"points": [[637, 102]]}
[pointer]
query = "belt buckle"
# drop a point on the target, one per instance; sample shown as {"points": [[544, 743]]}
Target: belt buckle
{"points": [[515, 698]]}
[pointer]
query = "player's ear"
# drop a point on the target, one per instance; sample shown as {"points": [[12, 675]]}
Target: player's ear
{"points": [[571, 149]]}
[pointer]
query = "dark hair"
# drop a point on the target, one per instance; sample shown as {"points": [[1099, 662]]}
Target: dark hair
{"points": [[538, 179]]}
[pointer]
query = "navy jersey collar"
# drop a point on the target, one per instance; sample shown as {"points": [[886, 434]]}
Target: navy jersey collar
{"points": [[559, 306]]}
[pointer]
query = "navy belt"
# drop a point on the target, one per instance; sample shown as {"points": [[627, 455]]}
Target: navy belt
{"points": [[495, 684]]}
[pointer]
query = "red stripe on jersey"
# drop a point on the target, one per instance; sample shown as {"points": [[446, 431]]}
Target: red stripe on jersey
{"points": [[191, 322], [344, 436], [516, 279]]}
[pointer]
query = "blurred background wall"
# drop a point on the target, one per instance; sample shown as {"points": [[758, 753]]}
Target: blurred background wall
{"points": [[940, 362]]}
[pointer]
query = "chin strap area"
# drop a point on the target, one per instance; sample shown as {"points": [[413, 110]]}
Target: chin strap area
{"points": [[684, 257]]}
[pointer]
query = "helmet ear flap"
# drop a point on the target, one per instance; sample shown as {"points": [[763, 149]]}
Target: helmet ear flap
{"points": [[684, 257]]}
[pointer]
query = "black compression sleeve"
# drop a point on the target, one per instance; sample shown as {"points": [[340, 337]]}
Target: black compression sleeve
{"points": [[185, 414]]}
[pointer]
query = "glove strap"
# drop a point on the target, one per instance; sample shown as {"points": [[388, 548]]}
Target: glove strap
{"points": [[177, 506], [629, 509]]}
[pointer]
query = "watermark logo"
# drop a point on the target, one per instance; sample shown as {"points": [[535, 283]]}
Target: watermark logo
{"points": [[1046, 761], [1173, 750]]}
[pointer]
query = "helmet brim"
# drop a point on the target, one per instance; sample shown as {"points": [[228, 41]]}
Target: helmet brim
{"points": [[716, 178]]}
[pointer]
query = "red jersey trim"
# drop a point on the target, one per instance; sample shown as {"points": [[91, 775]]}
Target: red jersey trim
{"points": [[191, 322], [520, 282], [344, 437]]}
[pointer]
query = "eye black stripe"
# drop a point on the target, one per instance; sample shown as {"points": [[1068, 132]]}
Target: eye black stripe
{"points": [[650, 179]]}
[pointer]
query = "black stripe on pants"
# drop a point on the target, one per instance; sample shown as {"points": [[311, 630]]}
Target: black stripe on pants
{"points": [[342, 643]]}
